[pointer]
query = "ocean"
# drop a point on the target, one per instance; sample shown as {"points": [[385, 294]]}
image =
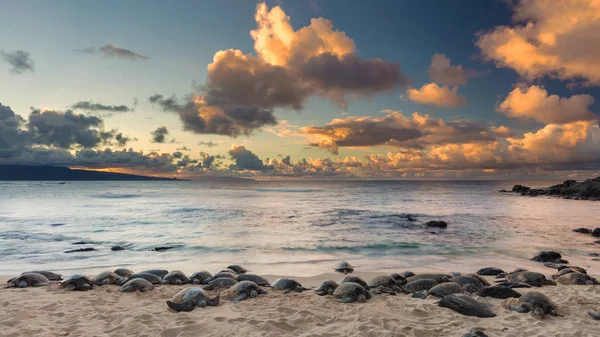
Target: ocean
{"points": [[286, 227]]}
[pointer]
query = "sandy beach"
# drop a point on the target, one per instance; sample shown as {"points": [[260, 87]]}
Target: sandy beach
{"points": [[104, 311]]}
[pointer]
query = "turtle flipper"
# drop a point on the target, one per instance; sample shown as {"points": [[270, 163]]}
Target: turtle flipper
{"points": [[285, 291], [241, 297], [321, 293], [522, 309], [555, 313], [215, 301], [538, 313], [187, 306], [594, 315], [346, 300], [201, 303], [362, 298]]}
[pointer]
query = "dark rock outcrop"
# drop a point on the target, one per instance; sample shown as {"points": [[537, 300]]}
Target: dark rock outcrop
{"points": [[570, 189], [436, 224], [117, 247], [80, 250], [582, 230], [549, 256], [596, 232]]}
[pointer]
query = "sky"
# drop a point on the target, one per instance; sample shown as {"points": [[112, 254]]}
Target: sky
{"points": [[430, 89]]}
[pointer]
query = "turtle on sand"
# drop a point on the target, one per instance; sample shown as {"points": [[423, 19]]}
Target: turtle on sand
{"points": [[490, 271], [137, 284], [176, 277], [261, 281], [220, 282], [28, 280], [344, 267], [237, 269], [466, 305], [576, 279], [201, 277], [287, 284], [351, 292], [407, 274], [575, 268], [77, 282], [226, 273], [468, 282], [419, 285], [152, 278], [535, 302], [242, 290], [108, 277], [529, 277], [158, 272], [124, 272], [445, 289], [513, 285], [439, 278], [384, 284], [498, 292], [326, 287], [475, 333], [48, 274], [188, 298], [355, 279], [399, 278], [595, 315]]}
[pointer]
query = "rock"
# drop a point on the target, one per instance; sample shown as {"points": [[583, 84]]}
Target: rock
{"points": [[437, 224], [410, 218], [161, 248], [490, 271], [520, 188], [582, 230], [88, 249], [80, 243], [549, 256], [596, 232], [117, 247], [503, 191], [570, 189], [57, 224], [597, 242]]}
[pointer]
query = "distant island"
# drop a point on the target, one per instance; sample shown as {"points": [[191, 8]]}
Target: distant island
{"points": [[570, 189], [63, 173]]}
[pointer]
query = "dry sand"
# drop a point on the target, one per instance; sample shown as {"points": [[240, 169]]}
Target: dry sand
{"points": [[104, 311]]}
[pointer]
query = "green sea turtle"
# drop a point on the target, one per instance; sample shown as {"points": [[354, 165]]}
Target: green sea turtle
{"points": [[445, 289], [529, 277], [475, 333], [575, 268], [469, 283], [535, 302], [407, 274], [594, 314], [399, 278], [242, 290], [108, 277], [344, 267], [419, 285], [28, 280], [351, 292], [188, 298], [237, 269], [261, 281], [220, 282], [512, 285], [158, 272], [226, 273], [466, 305], [576, 279], [480, 278], [77, 282], [152, 278], [48, 274], [439, 278], [176, 277], [498, 292], [355, 279], [490, 271], [326, 287], [201, 277], [384, 284], [140, 284], [124, 272], [287, 284]]}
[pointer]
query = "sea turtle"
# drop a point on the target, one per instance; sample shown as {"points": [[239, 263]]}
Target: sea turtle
{"points": [[575, 268], [188, 298], [108, 277], [225, 273], [490, 271], [439, 278], [498, 292], [48, 274], [595, 315], [562, 272], [480, 278], [261, 281], [445, 289], [419, 285], [355, 279], [176, 277], [399, 278], [344, 267], [28, 280], [407, 274], [535, 302], [158, 272], [326, 287], [237, 269], [384, 284], [140, 284], [350, 292], [466, 305], [549, 256], [201, 277], [287, 284], [576, 279], [77, 282], [124, 272], [529, 277], [512, 285], [152, 278], [475, 333], [468, 282], [220, 282], [242, 290]]}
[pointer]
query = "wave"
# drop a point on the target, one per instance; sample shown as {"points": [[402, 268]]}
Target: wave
{"points": [[190, 210], [286, 190], [217, 249], [116, 196], [382, 247], [14, 235]]}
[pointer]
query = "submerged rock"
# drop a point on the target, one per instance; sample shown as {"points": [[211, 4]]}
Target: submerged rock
{"points": [[117, 247], [582, 230], [80, 250], [436, 224], [596, 232]]}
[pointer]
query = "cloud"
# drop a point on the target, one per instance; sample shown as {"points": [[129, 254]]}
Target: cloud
{"points": [[11, 133], [246, 160], [442, 72], [433, 94], [534, 103], [19, 60], [64, 130], [208, 144], [111, 51], [183, 148], [89, 106], [548, 38], [158, 135]]}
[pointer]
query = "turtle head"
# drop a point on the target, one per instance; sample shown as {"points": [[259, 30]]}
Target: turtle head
{"points": [[538, 313], [120, 281], [215, 301]]}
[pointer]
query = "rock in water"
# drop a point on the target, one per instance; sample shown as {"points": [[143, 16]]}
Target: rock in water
{"points": [[436, 224], [549, 256], [582, 230], [80, 250], [520, 188], [117, 247], [596, 232], [466, 305]]}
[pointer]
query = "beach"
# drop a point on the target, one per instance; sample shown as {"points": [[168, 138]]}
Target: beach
{"points": [[103, 311]]}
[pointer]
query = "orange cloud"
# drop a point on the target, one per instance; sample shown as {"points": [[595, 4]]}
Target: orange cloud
{"points": [[433, 94]]}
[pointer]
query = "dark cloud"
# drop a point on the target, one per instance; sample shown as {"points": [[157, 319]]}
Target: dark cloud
{"points": [[158, 135], [184, 148], [246, 160], [111, 51], [208, 144], [19, 60], [64, 130], [91, 107], [11, 134]]}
